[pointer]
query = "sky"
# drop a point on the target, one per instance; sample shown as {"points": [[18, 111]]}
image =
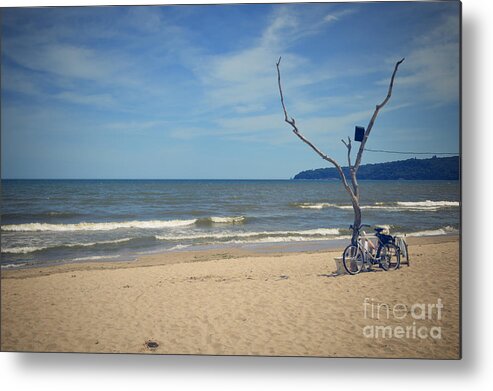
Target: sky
{"points": [[190, 92]]}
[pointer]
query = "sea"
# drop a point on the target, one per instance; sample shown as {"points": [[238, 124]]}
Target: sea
{"points": [[45, 222]]}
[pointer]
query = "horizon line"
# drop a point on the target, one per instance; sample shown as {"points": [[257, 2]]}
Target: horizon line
{"points": [[211, 179]]}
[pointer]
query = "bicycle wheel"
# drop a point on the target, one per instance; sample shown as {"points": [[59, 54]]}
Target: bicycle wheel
{"points": [[390, 258], [353, 259], [404, 252]]}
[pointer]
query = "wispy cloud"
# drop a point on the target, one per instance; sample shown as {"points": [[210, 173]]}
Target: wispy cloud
{"points": [[99, 100], [38, 85], [337, 15], [59, 59], [246, 78], [204, 78], [432, 66]]}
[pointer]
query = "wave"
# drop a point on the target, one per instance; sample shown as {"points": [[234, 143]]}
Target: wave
{"points": [[22, 250], [89, 258], [429, 204], [283, 236], [228, 220], [12, 265], [97, 243], [179, 242], [435, 232], [178, 247], [95, 257], [316, 233], [26, 250], [32, 227], [151, 224], [276, 239], [319, 205], [221, 220], [398, 206]]}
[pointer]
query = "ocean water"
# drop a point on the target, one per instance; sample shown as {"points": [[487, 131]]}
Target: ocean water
{"points": [[55, 221]]}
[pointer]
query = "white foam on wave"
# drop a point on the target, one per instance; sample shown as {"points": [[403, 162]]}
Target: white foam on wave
{"points": [[429, 204], [95, 258], [178, 247], [390, 206], [435, 232], [26, 250], [90, 244], [228, 220], [274, 239], [319, 232], [33, 227], [12, 265], [22, 250], [319, 205]]}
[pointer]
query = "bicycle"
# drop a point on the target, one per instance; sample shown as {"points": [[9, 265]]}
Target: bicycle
{"points": [[356, 255], [400, 241]]}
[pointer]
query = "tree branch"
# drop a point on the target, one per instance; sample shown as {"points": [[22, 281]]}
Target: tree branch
{"points": [[374, 117], [354, 181], [348, 146], [353, 169], [296, 131]]}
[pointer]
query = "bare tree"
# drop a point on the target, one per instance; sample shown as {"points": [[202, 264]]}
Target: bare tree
{"points": [[353, 188]]}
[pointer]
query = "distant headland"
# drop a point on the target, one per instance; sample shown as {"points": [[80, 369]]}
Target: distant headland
{"points": [[435, 168]]}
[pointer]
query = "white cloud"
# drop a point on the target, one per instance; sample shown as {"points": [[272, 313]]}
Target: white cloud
{"points": [[250, 124], [232, 127], [60, 59], [328, 125], [284, 26], [246, 78], [272, 128], [335, 16], [100, 100], [134, 125], [249, 108], [432, 66], [245, 82], [435, 70], [32, 84], [144, 18]]}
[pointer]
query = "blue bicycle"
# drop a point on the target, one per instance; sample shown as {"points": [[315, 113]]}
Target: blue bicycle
{"points": [[359, 255]]}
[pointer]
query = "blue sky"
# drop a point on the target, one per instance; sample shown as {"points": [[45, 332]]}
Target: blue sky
{"points": [[191, 91]]}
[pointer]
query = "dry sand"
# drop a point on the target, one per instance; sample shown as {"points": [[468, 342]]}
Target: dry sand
{"points": [[237, 303]]}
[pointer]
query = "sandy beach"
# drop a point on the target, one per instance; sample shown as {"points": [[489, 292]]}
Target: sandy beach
{"points": [[233, 302]]}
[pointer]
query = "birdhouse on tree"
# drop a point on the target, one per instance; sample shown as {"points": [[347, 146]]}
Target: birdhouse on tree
{"points": [[359, 133]]}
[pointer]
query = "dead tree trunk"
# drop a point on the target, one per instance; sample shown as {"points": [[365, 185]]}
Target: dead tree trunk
{"points": [[353, 189]]}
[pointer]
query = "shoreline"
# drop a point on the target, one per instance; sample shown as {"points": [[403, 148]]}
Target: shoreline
{"points": [[202, 254], [237, 303]]}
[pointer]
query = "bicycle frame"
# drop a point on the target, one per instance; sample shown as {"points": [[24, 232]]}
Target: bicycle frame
{"points": [[357, 256], [368, 257]]}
